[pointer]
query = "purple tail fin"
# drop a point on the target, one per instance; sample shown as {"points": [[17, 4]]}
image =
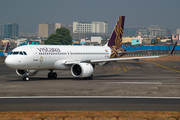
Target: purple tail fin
{"points": [[6, 49], [116, 37]]}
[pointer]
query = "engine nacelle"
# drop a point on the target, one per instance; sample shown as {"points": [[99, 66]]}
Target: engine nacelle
{"points": [[23, 72], [82, 70]]}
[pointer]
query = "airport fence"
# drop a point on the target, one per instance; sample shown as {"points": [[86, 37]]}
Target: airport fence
{"points": [[120, 117], [152, 50]]}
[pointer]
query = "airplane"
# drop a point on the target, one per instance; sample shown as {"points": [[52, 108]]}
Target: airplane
{"points": [[81, 60], [6, 49]]}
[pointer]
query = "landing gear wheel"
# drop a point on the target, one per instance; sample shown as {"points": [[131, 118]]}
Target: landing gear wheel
{"points": [[52, 75], [26, 78]]}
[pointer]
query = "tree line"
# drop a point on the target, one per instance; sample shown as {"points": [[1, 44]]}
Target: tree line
{"points": [[61, 37]]}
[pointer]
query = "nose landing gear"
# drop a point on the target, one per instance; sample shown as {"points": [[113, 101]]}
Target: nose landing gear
{"points": [[26, 78]]}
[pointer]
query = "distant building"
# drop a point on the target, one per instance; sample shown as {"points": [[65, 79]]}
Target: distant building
{"points": [[131, 31], [82, 30], [143, 32], [79, 36], [8, 30], [178, 31], [96, 39], [156, 30], [25, 41], [27, 34], [2, 44], [153, 30], [127, 39], [1, 30], [175, 37], [15, 30], [90, 27], [147, 40], [45, 30], [82, 41], [137, 40], [51, 28]]}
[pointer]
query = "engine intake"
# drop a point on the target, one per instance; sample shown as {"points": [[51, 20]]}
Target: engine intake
{"points": [[82, 70]]}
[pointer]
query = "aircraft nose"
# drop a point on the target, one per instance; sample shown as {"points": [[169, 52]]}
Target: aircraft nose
{"points": [[9, 62]]}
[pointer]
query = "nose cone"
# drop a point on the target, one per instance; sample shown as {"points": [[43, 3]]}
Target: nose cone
{"points": [[9, 62]]}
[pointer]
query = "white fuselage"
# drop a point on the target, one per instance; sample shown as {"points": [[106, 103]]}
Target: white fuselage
{"points": [[37, 57]]}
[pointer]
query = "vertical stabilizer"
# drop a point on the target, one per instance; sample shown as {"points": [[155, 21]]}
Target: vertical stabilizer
{"points": [[115, 40], [6, 49], [116, 37]]}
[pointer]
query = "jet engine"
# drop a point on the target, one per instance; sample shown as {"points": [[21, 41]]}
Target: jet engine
{"points": [[82, 70], [23, 72]]}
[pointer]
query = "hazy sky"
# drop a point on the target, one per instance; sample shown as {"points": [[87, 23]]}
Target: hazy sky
{"points": [[29, 13]]}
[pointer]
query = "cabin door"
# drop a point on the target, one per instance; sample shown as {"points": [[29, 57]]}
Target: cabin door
{"points": [[35, 54]]}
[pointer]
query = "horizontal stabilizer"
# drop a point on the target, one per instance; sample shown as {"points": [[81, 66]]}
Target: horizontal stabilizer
{"points": [[171, 52]]}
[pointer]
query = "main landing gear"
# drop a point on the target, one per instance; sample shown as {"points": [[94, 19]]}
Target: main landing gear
{"points": [[26, 78], [52, 75]]}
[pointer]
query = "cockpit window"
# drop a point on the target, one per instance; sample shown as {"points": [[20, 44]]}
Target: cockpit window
{"points": [[15, 53], [18, 53], [24, 53], [21, 53]]}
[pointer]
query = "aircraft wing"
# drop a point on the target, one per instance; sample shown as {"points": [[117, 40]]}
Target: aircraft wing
{"points": [[125, 58], [118, 59], [110, 60]]}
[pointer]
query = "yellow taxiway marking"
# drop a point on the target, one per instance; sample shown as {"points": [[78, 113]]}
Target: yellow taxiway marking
{"points": [[116, 68], [123, 68], [165, 67]]}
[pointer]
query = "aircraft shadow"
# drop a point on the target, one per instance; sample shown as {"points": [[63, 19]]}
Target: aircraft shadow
{"points": [[63, 78]]}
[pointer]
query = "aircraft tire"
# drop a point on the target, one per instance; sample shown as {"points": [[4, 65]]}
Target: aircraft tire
{"points": [[25, 78], [50, 75], [54, 75]]}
